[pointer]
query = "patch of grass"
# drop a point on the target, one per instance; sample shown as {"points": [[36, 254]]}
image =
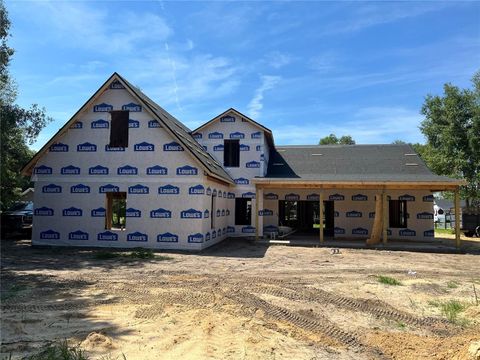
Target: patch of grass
{"points": [[452, 284], [451, 309], [387, 280], [136, 254], [60, 351], [401, 325], [444, 231]]}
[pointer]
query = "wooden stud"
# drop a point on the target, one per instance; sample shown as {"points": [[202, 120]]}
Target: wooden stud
{"points": [[320, 215], [457, 219], [385, 217], [257, 194]]}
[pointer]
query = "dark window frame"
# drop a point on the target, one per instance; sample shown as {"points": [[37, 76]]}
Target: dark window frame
{"points": [[114, 209], [243, 211], [119, 128], [397, 213], [231, 153]]}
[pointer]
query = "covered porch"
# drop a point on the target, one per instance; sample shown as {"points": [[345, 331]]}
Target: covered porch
{"points": [[385, 214]]}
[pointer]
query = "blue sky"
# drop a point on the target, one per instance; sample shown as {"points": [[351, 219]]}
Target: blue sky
{"points": [[303, 69]]}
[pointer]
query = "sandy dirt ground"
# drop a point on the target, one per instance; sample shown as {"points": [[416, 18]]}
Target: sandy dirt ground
{"points": [[240, 300]]}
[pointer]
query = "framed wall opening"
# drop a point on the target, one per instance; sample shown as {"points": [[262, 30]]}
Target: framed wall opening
{"points": [[304, 216]]}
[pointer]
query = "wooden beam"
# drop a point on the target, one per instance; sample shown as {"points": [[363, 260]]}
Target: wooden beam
{"points": [[320, 215], [457, 219], [385, 217]]}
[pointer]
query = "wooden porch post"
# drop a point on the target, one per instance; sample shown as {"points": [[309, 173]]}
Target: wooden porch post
{"points": [[385, 217], [320, 215], [257, 195], [457, 219]]}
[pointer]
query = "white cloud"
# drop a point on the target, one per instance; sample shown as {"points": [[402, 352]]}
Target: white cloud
{"points": [[278, 60], [256, 104]]}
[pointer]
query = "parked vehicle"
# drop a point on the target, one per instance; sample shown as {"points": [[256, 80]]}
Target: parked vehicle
{"points": [[471, 222], [18, 219]]}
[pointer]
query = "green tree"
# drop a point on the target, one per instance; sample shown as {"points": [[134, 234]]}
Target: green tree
{"points": [[333, 140], [452, 129], [19, 127]]}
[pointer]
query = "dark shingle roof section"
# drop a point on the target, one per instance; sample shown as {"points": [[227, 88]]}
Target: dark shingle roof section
{"points": [[349, 163], [182, 133]]}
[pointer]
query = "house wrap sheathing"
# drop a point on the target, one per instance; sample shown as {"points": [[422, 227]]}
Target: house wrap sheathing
{"points": [[180, 195]]}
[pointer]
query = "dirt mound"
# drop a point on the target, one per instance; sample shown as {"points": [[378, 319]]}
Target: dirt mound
{"points": [[97, 341]]}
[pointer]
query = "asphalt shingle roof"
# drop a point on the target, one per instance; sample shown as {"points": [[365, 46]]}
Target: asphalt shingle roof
{"points": [[349, 163]]}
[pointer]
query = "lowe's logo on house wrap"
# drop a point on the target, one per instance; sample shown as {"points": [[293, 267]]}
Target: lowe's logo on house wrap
{"points": [[359, 231], [168, 190], [214, 192], [313, 197], [131, 212], [132, 107], [70, 170], [209, 191], [72, 211], [339, 231], [207, 236], [59, 147], [265, 212], [144, 146], [223, 212], [154, 124], [237, 135], [428, 198], [43, 170], [230, 195], [78, 235], [137, 236], [115, 84], [425, 216], [219, 193], [218, 213], [138, 189], [103, 107], [336, 214], [256, 135], [100, 212], [249, 194], [359, 197], [114, 148], [187, 170], [80, 189], [206, 214], [100, 124], [127, 170], [191, 214], [195, 238], [135, 124], [167, 237], [52, 189], [407, 232], [197, 136], [160, 213], [248, 229], [157, 170], [49, 235], [269, 228], [196, 190], [407, 197], [244, 147], [227, 119], [218, 148], [107, 236], [429, 233], [228, 212], [242, 181], [43, 211], [371, 215], [214, 234], [98, 170], [292, 197], [230, 229], [87, 147], [336, 197], [108, 188], [173, 146], [258, 148], [215, 135], [252, 164], [77, 125], [354, 214], [271, 196]]}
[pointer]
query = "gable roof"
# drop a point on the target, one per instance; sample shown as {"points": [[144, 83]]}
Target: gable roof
{"points": [[176, 129], [351, 163], [267, 131]]}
